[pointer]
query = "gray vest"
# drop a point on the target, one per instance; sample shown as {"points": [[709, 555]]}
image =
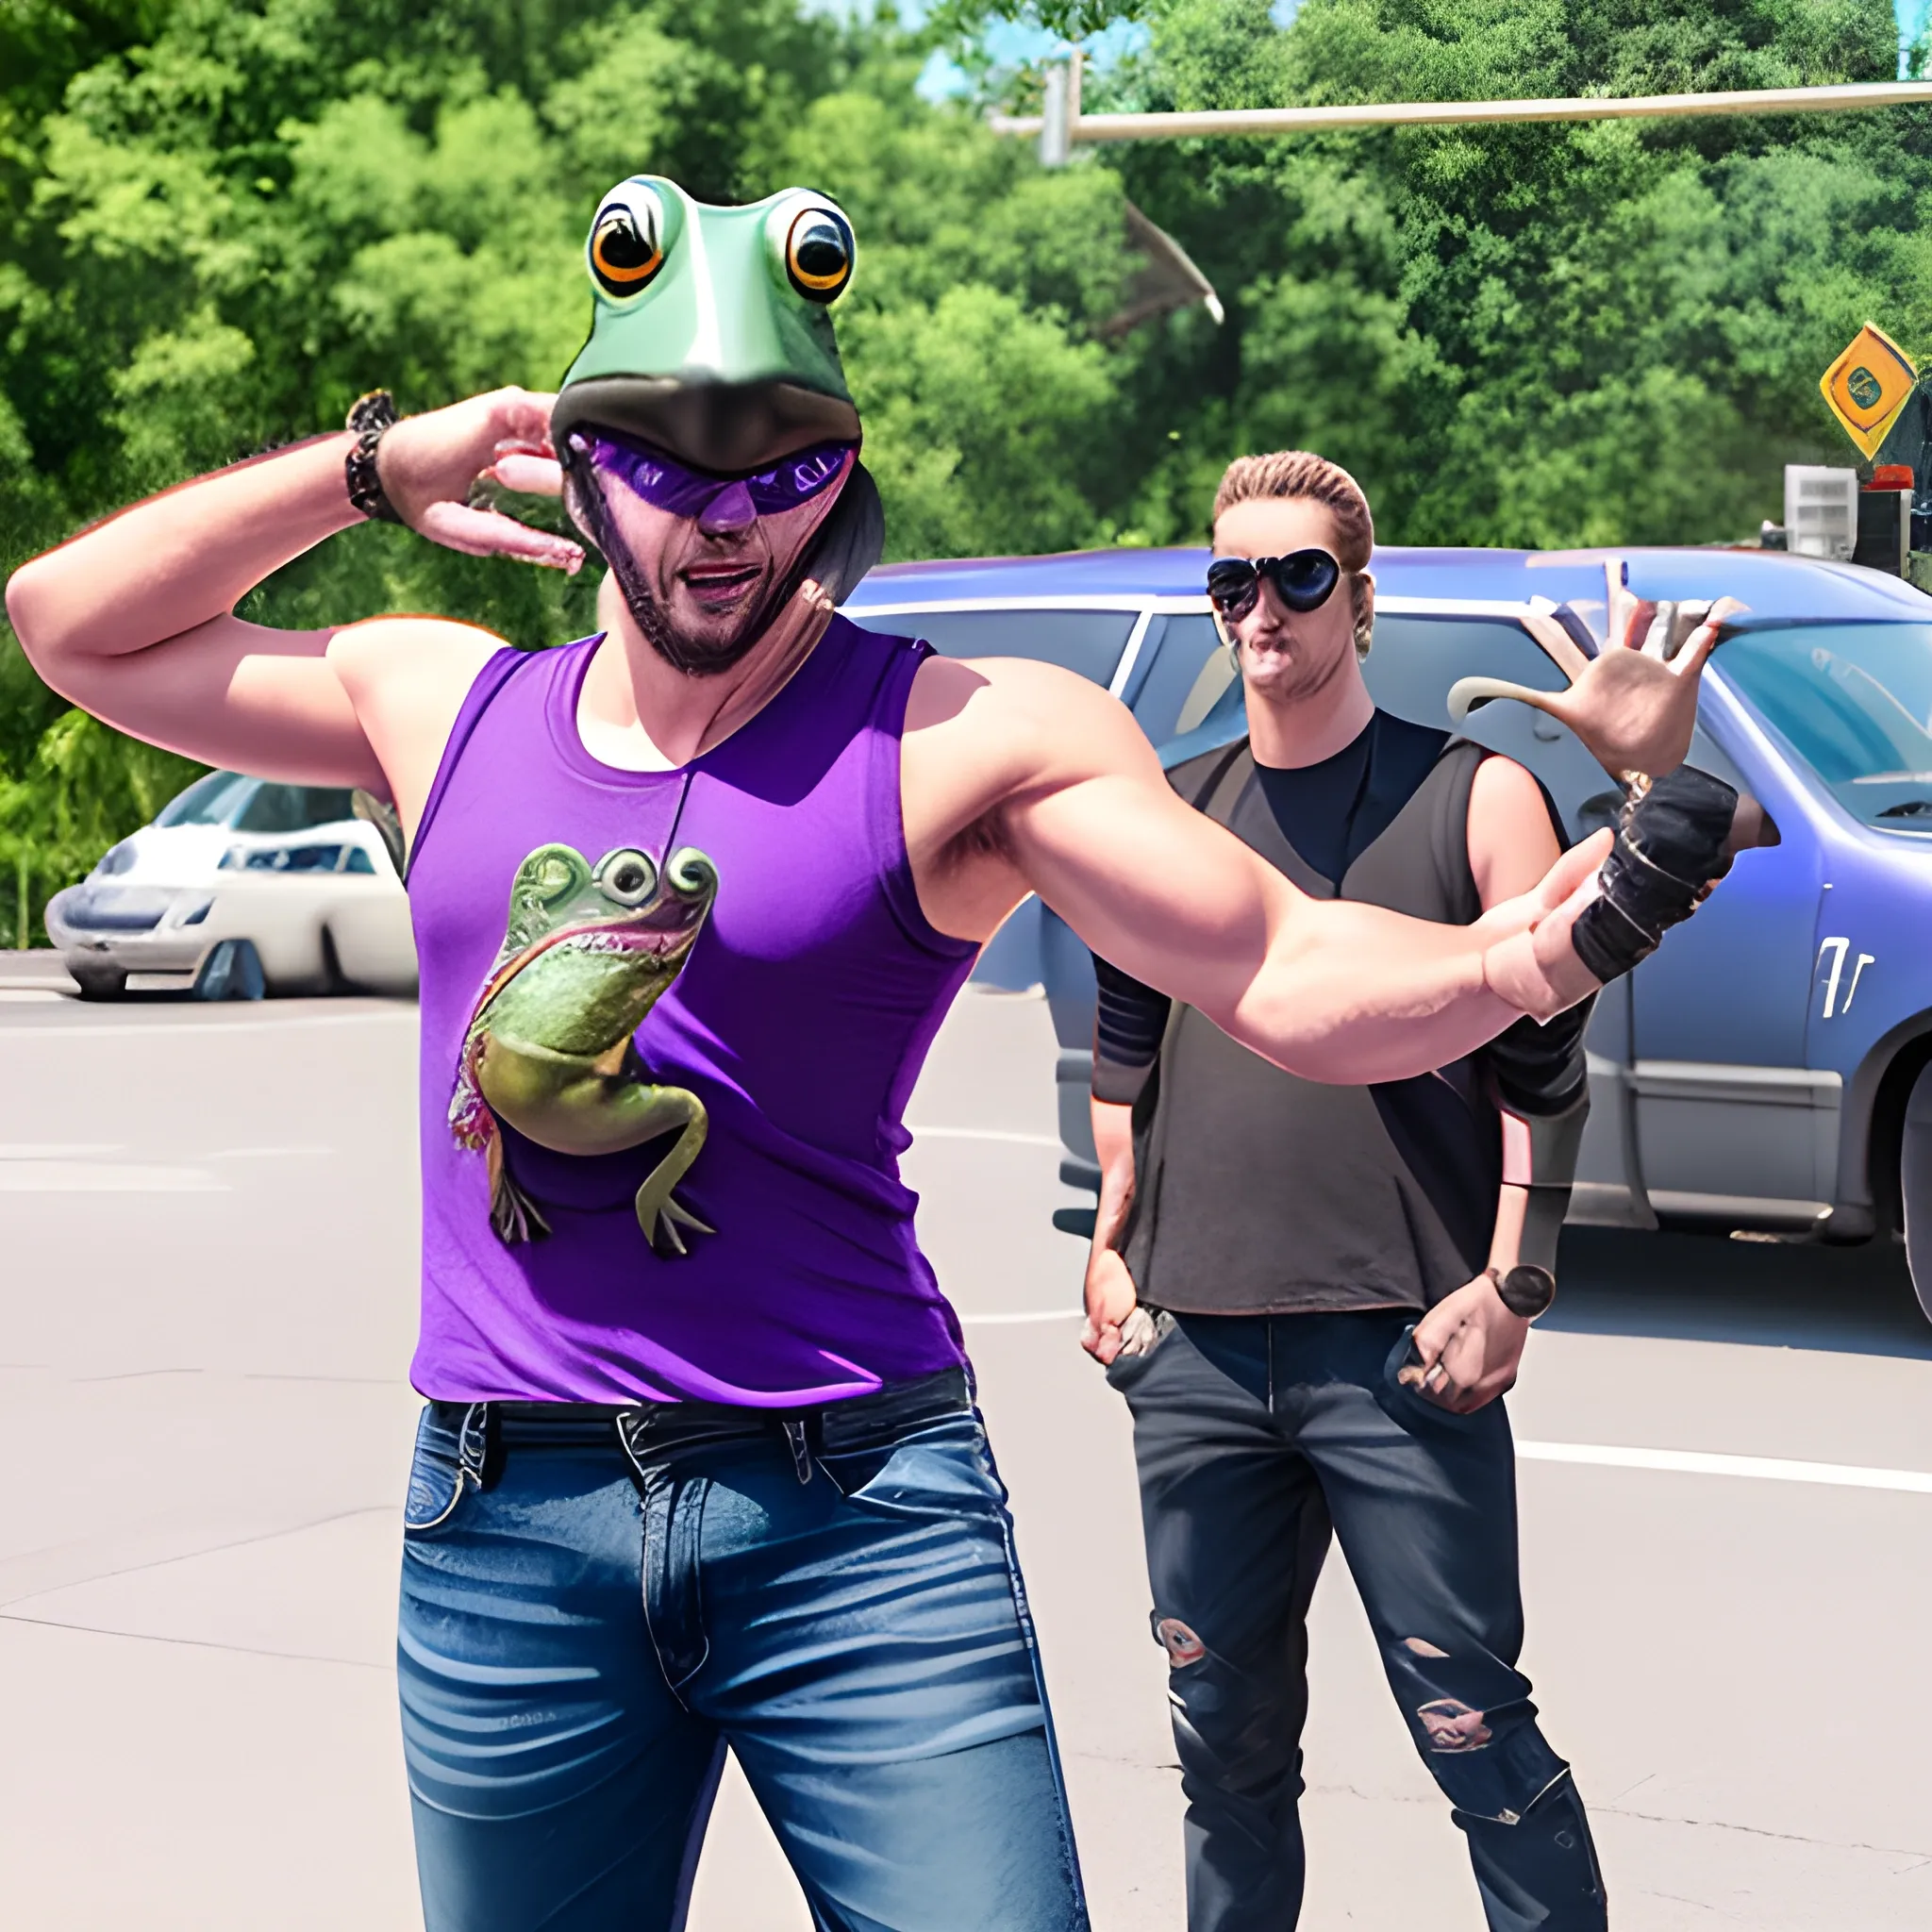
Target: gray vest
{"points": [[1259, 1193]]}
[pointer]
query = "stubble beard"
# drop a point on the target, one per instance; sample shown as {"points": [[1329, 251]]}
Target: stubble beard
{"points": [[708, 654], [694, 655]]}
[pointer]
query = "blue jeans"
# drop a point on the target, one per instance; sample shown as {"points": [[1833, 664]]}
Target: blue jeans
{"points": [[595, 1603], [1258, 1437]]}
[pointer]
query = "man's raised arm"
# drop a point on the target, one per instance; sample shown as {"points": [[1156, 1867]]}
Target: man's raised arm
{"points": [[133, 618]]}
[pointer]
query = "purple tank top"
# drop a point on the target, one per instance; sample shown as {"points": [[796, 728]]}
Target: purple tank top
{"points": [[800, 1019]]}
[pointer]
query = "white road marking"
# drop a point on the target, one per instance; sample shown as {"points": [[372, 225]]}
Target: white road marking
{"points": [[1031, 1315], [1765, 1469], [28, 996], [982, 1134], [103, 1177]]}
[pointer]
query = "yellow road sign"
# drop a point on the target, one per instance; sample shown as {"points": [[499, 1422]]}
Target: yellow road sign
{"points": [[1868, 385]]}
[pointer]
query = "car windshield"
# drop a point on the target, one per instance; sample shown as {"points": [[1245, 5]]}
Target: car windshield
{"points": [[206, 802], [295, 809], [1854, 700], [1088, 642]]}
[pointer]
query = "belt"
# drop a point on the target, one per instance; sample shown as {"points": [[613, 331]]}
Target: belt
{"points": [[488, 1431]]}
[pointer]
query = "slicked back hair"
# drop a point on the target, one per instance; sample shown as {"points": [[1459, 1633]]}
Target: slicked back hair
{"points": [[1300, 476]]}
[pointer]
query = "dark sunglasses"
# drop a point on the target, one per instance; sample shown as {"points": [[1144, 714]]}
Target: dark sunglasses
{"points": [[1303, 580], [669, 486]]}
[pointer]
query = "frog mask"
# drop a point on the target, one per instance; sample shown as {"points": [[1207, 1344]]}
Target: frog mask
{"points": [[711, 344]]}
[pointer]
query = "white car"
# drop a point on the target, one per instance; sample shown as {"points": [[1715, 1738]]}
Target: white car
{"points": [[241, 886]]}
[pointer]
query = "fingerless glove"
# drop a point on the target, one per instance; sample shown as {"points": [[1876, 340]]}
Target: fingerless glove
{"points": [[1669, 853]]}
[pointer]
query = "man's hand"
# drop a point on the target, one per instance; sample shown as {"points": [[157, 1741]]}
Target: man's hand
{"points": [[429, 463], [1634, 705], [1528, 958], [1112, 1298], [1470, 1346]]}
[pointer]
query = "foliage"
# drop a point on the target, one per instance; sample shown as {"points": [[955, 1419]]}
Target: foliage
{"points": [[85, 786], [219, 220], [1529, 335]]}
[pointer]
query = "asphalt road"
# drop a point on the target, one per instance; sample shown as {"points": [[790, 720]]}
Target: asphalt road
{"points": [[207, 1220]]}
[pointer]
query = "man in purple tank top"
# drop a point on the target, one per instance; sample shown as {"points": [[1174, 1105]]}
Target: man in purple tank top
{"points": [[700, 1465]]}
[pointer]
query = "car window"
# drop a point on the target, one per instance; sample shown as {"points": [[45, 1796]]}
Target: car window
{"points": [[1855, 701], [294, 809], [1089, 641], [206, 802], [280, 858], [1414, 660], [1188, 670]]}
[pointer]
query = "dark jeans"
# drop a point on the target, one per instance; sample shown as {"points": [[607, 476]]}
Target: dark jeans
{"points": [[1256, 1436], [595, 1603]]}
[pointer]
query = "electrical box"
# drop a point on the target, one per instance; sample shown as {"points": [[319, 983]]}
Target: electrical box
{"points": [[1821, 510], [1885, 529]]}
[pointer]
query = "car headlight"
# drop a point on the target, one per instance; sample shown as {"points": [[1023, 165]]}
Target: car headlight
{"points": [[113, 908]]}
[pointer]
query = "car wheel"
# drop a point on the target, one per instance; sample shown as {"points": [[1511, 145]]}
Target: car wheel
{"points": [[1915, 1186], [99, 982], [232, 971], [334, 979]]}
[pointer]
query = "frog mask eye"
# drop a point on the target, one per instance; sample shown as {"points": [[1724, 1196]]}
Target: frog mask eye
{"points": [[816, 247], [628, 241], [625, 876]]}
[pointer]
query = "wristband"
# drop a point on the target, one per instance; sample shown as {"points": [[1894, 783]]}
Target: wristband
{"points": [[1668, 852], [1526, 1293], [369, 417]]}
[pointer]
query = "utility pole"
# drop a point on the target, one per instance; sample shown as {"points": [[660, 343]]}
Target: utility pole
{"points": [[1060, 112], [1061, 124]]}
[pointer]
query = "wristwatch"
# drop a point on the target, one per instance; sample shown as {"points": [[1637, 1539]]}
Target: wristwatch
{"points": [[1525, 1292]]}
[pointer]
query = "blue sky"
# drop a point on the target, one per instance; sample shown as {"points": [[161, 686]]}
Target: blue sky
{"points": [[1015, 45], [1911, 23]]}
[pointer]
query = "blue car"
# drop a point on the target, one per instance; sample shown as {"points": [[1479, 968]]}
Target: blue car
{"points": [[1755, 1073]]}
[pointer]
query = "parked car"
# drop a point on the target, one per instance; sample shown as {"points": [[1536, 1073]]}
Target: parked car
{"points": [[1754, 1073], [254, 885]]}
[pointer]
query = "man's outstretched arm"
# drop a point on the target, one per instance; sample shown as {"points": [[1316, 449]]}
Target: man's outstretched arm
{"points": [[1329, 991]]}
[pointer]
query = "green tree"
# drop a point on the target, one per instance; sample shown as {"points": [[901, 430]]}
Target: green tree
{"points": [[1524, 334], [222, 222]]}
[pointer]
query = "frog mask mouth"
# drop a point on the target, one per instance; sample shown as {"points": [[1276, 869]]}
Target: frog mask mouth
{"points": [[711, 345]]}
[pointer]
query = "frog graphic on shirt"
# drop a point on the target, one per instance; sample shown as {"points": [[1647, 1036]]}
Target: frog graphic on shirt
{"points": [[551, 1048]]}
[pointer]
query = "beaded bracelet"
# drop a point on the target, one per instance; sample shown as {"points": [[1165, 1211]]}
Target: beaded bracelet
{"points": [[369, 417]]}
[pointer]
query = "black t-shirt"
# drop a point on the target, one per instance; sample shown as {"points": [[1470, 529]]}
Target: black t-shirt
{"points": [[1333, 811]]}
